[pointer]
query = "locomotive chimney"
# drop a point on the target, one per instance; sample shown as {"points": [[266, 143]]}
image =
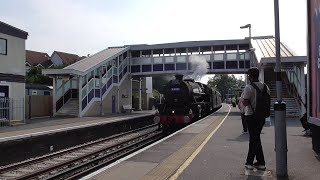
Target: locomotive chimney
{"points": [[179, 77]]}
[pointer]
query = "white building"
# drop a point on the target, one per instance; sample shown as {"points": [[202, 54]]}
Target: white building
{"points": [[12, 67]]}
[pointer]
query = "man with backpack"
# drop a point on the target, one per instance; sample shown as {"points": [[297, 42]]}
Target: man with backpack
{"points": [[256, 97]]}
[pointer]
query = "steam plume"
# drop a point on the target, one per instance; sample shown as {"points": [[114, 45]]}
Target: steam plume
{"points": [[199, 66]]}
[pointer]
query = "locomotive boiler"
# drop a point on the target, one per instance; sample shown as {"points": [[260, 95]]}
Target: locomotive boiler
{"points": [[186, 101]]}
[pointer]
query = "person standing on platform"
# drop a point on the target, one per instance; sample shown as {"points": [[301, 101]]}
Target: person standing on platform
{"points": [[305, 125], [254, 114], [233, 101], [243, 118]]}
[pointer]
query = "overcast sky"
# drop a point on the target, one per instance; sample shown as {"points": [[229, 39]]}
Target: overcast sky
{"points": [[85, 27]]}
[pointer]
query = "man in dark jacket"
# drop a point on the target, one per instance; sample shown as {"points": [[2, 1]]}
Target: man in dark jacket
{"points": [[254, 124]]}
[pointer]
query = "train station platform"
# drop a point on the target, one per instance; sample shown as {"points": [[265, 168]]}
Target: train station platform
{"points": [[50, 125], [214, 148]]}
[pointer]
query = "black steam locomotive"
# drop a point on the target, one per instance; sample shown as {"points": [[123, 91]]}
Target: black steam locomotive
{"points": [[185, 101]]}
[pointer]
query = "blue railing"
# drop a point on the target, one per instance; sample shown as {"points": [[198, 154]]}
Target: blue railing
{"points": [[111, 76]]}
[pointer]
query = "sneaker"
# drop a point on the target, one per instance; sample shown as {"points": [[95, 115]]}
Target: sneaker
{"points": [[248, 166], [259, 166], [308, 133], [245, 132]]}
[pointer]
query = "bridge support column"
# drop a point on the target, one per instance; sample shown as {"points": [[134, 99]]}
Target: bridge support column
{"points": [[100, 86], [54, 91], [131, 91], [80, 95], [118, 84], [140, 96]]}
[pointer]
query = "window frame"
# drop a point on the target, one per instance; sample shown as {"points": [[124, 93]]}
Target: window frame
{"points": [[6, 47]]}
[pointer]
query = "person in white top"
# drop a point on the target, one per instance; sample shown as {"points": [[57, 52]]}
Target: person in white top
{"points": [[254, 125]]}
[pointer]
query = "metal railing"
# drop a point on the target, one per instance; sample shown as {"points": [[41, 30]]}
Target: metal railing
{"points": [[69, 94], [292, 88], [11, 109]]}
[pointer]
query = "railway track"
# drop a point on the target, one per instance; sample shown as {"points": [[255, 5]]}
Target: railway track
{"points": [[83, 159]]}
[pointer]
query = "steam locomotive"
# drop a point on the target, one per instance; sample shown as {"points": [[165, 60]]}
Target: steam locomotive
{"points": [[186, 101]]}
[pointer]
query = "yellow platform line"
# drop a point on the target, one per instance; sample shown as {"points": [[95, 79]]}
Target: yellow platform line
{"points": [[177, 162]]}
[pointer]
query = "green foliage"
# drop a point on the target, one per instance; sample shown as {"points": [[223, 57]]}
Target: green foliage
{"points": [[158, 82], [156, 94], [34, 76], [60, 66], [224, 83]]}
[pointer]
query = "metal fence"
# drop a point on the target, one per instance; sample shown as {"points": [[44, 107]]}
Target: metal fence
{"points": [[11, 109]]}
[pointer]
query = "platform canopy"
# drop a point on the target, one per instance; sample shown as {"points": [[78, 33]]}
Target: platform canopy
{"points": [[265, 50]]}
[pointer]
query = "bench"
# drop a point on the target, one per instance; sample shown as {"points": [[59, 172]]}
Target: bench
{"points": [[127, 108]]}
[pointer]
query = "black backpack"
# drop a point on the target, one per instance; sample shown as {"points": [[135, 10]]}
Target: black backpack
{"points": [[263, 101]]}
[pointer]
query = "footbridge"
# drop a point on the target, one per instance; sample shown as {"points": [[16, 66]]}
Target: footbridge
{"points": [[103, 83]]}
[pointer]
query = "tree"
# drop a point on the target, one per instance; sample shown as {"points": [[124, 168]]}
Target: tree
{"points": [[240, 83], [34, 76], [158, 82], [224, 83]]}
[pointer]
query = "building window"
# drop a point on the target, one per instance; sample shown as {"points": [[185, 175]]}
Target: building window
{"points": [[3, 46]]}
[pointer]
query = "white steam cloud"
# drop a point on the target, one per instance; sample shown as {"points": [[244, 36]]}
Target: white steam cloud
{"points": [[199, 67], [167, 77]]}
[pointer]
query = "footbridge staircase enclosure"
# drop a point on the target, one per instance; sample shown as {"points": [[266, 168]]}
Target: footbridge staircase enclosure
{"points": [[80, 87], [290, 93]]}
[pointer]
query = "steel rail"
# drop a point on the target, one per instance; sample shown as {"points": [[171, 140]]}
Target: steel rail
{"points": [[16, 166], [95, 154]]}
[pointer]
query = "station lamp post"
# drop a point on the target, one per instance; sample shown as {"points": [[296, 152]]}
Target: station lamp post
{"points": [[247, 26], [244, 61], [280, 125]]}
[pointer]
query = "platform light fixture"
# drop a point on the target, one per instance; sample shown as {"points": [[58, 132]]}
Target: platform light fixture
{"points": [[247, 26], [244, 27]]}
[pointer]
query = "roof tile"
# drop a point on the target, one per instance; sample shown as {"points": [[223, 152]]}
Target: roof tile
{"points": [[68, 58], [34, 58]]}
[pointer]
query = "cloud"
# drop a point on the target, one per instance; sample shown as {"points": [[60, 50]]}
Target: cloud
{"points": [[68, 26]]}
